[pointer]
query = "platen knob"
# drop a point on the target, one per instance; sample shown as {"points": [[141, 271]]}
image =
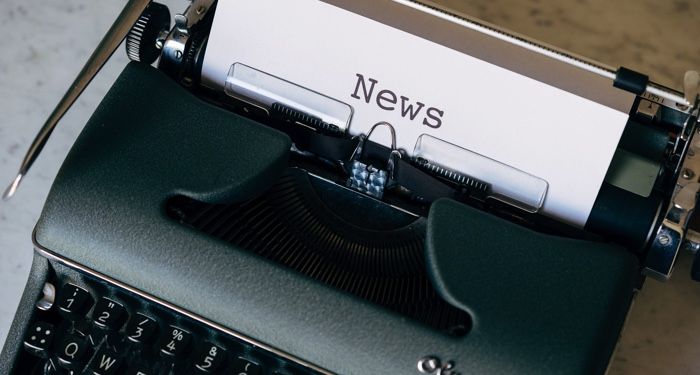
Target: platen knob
{"points": [[142, 42]]}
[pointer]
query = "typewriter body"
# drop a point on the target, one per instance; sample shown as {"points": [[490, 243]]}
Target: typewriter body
{"points": [[191, 231]]}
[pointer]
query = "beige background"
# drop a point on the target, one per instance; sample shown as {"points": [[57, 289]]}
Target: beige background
{"points": [[658, 38], [45, 42]]}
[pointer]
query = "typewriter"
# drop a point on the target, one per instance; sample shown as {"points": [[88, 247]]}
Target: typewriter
{"points": [[244, 229]]}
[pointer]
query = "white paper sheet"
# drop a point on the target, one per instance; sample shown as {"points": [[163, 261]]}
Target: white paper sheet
{"points": [[562, 138]]}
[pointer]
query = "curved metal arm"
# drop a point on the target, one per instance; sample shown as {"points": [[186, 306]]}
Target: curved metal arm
{"points": [[111, 41]]}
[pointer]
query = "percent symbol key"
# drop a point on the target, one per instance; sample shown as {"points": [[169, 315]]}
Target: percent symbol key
{"points": [[175, 341]]}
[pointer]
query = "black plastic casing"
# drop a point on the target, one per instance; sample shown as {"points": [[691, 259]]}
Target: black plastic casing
{"points": [[540, 304]]}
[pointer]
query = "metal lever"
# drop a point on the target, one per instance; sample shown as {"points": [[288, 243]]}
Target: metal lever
{"points": [[111, 41], [691, 86]]}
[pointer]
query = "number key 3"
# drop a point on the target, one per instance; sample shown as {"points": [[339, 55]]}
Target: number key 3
{"points": [[141, 328]]}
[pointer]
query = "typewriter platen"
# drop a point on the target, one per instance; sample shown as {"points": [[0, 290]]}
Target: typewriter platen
{"points": [[192, 230]]}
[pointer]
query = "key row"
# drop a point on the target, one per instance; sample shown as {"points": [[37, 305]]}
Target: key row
{"points": [[113, 341]]}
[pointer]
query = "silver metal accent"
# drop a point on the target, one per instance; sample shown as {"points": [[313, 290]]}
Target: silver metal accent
{"points": [[12, 188], [648, 108], [691, 86], [451, 175], [692, 241], [141, 43], [48, 298], [50, 367], [111, 41], [587, 65], [662, 92], [665, 102], [688, 174], [663, 253], [689, 125], [160, 41], [369, 179], [181, 22], [43, 251], [195, 12], [358, 150], [672, 234], [132, 50], [174, 45], [428, 365], [433, 365]]}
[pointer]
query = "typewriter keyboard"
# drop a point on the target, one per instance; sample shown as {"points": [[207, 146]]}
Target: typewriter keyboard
{"points": [[99, 329]]}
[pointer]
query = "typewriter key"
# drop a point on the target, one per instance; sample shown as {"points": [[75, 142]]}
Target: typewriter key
{"points": [[72, 352], [109, 314], [74, 301], [39, 339]]}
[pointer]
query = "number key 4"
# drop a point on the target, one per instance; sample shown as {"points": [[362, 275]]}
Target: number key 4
{"points": [[174, 342]]}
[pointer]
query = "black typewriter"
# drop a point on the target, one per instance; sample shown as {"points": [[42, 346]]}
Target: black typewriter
{"points": [[192, 232]]}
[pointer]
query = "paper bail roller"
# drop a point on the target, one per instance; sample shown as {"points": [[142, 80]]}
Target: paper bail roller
{"points": [[505, 183], [274, 94]]}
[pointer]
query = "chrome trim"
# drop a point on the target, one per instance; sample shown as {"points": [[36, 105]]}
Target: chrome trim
{"points": [[552, 52], [48, 297], [664, 102], [67, 262], [671, 235], [174, 52]]}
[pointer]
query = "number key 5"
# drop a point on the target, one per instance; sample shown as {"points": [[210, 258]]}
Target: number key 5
{"points": [[209, 358]]}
